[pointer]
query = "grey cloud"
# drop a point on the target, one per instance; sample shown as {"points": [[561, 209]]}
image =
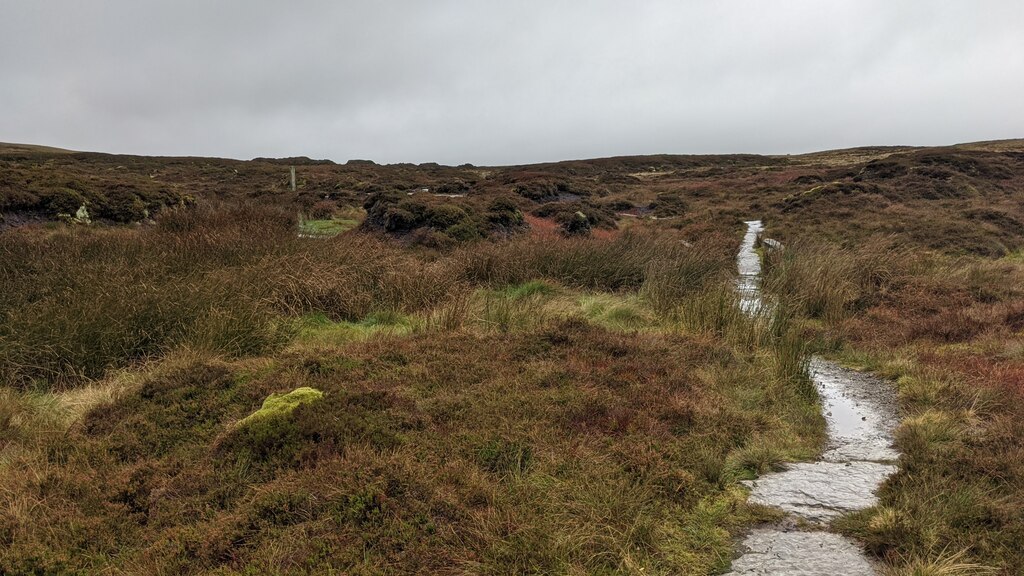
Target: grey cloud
{"points": [[507, 82]]}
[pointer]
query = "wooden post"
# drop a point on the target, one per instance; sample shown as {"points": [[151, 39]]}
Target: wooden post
{"points": [[293, 178]]}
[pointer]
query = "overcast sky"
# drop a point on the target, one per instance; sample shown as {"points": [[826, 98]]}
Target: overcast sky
{"points": [[508, 81]]}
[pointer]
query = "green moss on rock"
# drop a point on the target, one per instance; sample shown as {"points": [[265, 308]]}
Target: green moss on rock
{"points": [[280, 404]]}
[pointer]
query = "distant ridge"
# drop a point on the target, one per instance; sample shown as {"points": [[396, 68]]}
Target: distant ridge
{"points": [[838, 156], [12, 148]]}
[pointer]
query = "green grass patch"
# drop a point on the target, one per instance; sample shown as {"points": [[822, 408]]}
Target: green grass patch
{"points": [[318, 328], [328, 227], [615, 311], [531, 288]]}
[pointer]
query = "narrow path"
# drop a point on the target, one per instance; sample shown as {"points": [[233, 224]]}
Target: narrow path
{"points": [[860, 411]]}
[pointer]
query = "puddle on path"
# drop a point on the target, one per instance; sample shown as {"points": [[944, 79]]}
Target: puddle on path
{"points": [[860, 411], [748, 262]]}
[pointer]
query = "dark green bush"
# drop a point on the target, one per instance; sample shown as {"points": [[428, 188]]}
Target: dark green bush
{"points": [[456, 187], [464, 231], [440, 222], [503, 212], [444, 216], [565, 213], [122, 205], [540, 190], [63, 201], [576, 225], [397, 219]]}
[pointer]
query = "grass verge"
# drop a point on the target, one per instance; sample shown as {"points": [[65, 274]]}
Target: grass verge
{"points": [[947, 333]]}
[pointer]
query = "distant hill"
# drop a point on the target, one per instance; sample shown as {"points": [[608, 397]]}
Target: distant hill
{"points": [[7, 148], [962, 198]]}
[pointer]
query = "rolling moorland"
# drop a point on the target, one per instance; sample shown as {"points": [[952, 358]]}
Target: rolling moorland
{"points": [[529, 369]]}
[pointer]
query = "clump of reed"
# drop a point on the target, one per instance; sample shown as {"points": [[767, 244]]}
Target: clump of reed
{"points": [[828, 282]]}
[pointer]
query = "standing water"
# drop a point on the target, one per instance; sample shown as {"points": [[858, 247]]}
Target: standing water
{"points": [[748, 284], [860, 415]]}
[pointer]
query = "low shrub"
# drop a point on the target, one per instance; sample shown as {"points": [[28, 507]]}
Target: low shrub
{"points": [[122, 205], [669, 205], [567, 214], [64, 201], [576, 225], [440, 222], [323, 210]]}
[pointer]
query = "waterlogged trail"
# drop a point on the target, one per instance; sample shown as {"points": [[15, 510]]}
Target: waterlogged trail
{"points": [[748, 263], [861, 415]]}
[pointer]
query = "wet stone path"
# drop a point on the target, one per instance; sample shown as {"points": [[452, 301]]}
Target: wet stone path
{"points": [[860, 412]]}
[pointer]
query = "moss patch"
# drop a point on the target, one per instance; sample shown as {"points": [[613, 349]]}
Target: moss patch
{"points": [[280, 404]]}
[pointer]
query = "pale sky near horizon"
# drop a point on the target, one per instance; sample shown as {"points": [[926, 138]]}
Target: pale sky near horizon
{"points": [[507, 82]]}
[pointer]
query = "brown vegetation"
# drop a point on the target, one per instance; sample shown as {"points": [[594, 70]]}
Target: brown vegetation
{"points": [[957, 200], [543, 404], [547, 373]]}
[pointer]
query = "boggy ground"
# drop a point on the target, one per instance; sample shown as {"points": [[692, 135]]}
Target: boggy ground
{"points": [[545, 405]]}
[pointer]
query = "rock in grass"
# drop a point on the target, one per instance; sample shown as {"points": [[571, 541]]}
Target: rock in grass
{"points": [[82, 216], [280, 404]]}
